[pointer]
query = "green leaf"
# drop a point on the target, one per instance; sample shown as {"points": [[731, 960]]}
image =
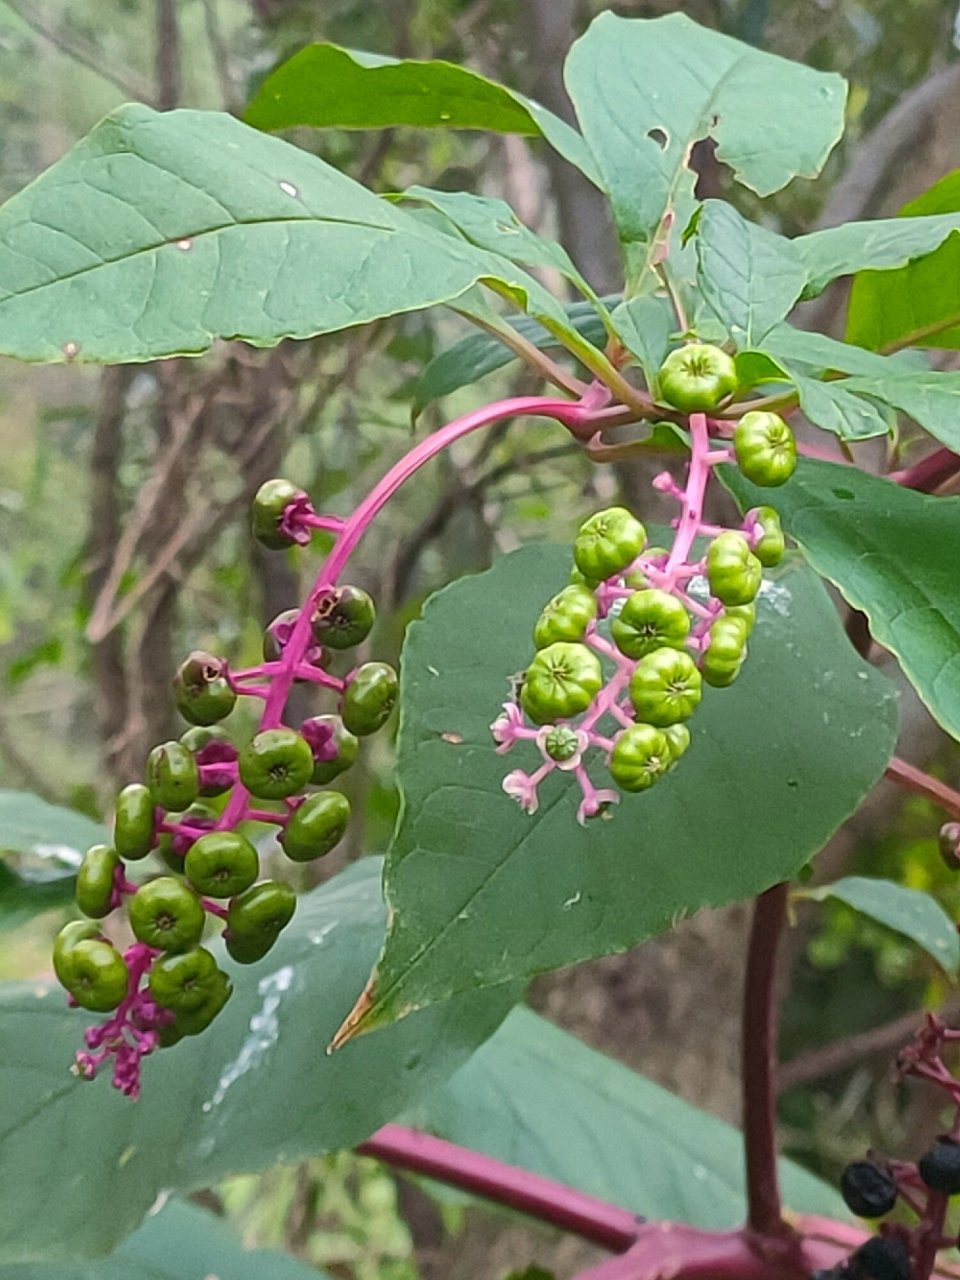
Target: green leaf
{"points": [[46, 835], [879, 245], [893, 554], [919, 303], [817, 351], [491, 224], [908, 911], [482, 893], [751, 277], [479, 354], [644, 324], [834, 407], [326, 86], [254, 1089], [180, 1242], [41, 846], [161, 232], [536, 1097], [646, 91]]}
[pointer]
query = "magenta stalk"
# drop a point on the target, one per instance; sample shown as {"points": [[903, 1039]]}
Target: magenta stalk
{"points": [[759, 1064], [603, 1224]]}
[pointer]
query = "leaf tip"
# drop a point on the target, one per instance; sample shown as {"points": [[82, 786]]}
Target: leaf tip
{"points": [[352, 1024]]}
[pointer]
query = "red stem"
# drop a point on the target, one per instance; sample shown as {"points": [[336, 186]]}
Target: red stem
{"points": [[914, 779], [604, 1224], [930, 472], [759, 1064]]}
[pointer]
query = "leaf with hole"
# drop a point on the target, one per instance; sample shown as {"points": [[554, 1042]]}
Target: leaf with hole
{"points": [[645, 91]]}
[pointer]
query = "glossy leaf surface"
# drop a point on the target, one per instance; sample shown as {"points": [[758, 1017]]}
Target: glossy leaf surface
{"points": [[327, 86], [893, 554], [537, 1097], [482, 893]]}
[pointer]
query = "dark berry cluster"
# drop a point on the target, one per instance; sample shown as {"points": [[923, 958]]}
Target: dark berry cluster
{"points": [[167, 985]]}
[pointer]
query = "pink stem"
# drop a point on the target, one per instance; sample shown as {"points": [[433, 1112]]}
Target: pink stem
{"points": [[590, 1218], [914, 779], [692, 498], [572, 414]]}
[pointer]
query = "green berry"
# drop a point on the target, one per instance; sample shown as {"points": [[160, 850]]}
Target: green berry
{"points": [[166, 914], [640, 757], [256, 918], [95, 878], [770, 546], [343, 617], [562, 681], [650, 620], [697, 377], [765, 448], [68, 937], [723, 657], [315, 826], [562, 743], [134, 822], [221, 864], [275, 764], [565, 617], [184, 982], [369, 698], [95, 974], [173, 776], [608, 542], [270, 502], [190, 1022], [733, 571], [747, 613], [678, 740], [201, 689], [665, 687]]}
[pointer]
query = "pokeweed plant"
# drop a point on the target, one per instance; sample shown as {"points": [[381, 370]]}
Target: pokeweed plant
{"points": [[660, 769]]}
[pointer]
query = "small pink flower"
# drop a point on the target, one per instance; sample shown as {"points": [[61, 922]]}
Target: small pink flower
{"points": [[578, 741], [594, 804], [505, 728], [522, 787]]}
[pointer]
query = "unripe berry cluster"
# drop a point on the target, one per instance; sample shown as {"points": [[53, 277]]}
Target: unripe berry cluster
{"points": [[167, 985], [623, 651]]}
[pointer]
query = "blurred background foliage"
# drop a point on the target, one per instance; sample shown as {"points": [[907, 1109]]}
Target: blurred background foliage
{"points": [[123, 539]]}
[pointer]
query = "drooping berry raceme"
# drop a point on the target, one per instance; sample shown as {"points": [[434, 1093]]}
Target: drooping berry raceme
{"points": [[167, 985], [625, 651]]}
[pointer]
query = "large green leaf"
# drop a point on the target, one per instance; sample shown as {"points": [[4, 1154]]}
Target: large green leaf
{"points": [[41, 846], [644, 324], [751, 277], [160, 232], [879, 245], [481, 892], [491, 224], [893, 554], [908, 911], [180, 1242], [919, 303], [646, 91], [326, 86], [536, 1097], [253, 1089]]}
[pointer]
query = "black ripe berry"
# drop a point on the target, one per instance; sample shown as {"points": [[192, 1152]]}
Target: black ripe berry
{"points": [[868, 1189], [881, 1258], [940, 1167]]}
